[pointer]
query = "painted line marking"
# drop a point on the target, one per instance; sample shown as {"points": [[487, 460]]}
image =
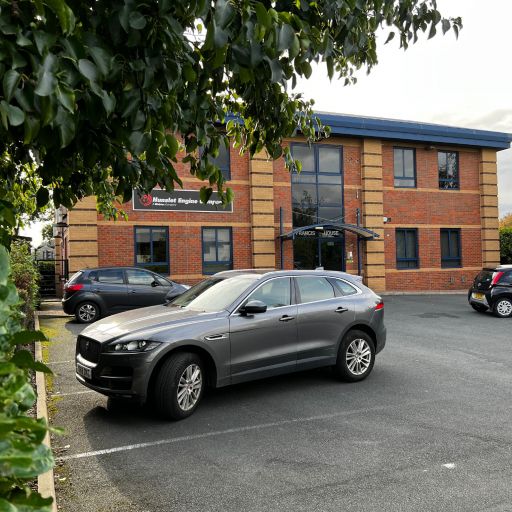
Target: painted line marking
{"points": [[73, 393], [236, 430]]}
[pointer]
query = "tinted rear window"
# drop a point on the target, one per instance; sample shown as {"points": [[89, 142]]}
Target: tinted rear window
{"points": [[75, 278], [113, 276], [485, 277]]}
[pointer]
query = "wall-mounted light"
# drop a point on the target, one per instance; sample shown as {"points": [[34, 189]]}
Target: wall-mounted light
{"points": [[386, 219]]}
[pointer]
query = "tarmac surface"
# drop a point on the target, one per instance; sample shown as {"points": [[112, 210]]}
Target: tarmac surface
{"points": [[429, 430]]}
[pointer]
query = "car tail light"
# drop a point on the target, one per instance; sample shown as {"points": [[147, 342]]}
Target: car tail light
{"points": [[379, 306], [73, 287], [496, 277]]}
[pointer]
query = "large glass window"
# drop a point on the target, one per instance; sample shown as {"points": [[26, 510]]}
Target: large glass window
{"points": [[404, 167], [108, 276], [317, 190], [152, 248], [407, 248], [222, 161], [275, 293], [450, 248], [217, 250], [448, 164], [139, 277]]}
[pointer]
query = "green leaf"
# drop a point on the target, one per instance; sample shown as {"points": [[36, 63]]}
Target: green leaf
{"points": [[172, 144], [66, 125], [46, 84], [24, 337], [66, 97], [23, 359], [262, 15], [102, 59], [15, 115], [138, 143], [306, 69], [224, 12], [286, 35], [88, 69], [10, 82], [391, 35], [205, 194], [32, 126], [64, 13], [42, 197], [136, 20]]}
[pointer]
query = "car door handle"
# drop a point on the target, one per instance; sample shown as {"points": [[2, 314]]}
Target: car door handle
{"points": [[286, 318], [341, 309], [132, 291], [214, 337], [96, 290]]}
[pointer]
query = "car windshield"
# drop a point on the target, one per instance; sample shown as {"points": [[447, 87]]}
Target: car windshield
{"points": [[215, 293]]}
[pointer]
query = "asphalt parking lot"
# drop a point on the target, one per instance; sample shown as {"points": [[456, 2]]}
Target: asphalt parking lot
{"points": [[429, 430]]}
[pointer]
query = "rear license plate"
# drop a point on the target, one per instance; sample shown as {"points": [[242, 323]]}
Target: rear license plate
{"points": [[83, 371], [478, 296]]}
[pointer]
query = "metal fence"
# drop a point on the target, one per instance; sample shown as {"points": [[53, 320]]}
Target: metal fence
{"points": [[52, 273]]}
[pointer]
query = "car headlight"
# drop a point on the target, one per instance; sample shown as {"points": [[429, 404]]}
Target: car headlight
{"points": [[132, 346]]}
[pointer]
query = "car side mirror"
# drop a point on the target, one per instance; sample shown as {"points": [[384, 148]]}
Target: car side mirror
{"points": [[154, 284], [253, 307]]}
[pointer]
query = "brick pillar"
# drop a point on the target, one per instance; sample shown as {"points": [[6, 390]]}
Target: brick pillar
{"points": [[262, 212], [372, 206], [83, 235], [489, 208]]}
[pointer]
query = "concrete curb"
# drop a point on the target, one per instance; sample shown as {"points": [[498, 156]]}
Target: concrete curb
{"points": [[445, 292], [45, 482]]}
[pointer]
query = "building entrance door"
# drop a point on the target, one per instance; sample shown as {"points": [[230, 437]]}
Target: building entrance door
{"points": [[310, 253]]}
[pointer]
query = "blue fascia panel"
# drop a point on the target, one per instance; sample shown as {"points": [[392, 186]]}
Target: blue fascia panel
{"points": [[412, 131]]}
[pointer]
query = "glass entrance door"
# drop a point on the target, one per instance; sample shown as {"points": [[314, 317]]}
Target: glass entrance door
{"points": [[310, 253]]}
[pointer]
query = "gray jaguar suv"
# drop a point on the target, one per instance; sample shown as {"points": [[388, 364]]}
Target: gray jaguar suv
{"points": [[233, 327]]}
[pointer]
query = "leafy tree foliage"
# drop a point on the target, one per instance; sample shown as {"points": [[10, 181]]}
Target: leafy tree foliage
{"points": [[506, 245], [506, 221], [99, 97]]}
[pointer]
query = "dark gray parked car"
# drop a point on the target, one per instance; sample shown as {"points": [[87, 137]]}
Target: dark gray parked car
{"points": [[97, 292], [234, 327]]}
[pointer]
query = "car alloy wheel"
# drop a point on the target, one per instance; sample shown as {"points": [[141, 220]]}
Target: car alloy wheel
{"points": [[87, 313], [358, 357], [503, 308], [189, 387]]}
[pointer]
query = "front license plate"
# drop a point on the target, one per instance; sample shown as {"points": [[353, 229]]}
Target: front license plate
{"points": [[478, 296], [83, 371]]}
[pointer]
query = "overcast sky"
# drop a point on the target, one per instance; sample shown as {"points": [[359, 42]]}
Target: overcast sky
{"points": [[465, 82]]}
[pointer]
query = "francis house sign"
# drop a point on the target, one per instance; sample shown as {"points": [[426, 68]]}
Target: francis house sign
{"points": [[178, 201]]}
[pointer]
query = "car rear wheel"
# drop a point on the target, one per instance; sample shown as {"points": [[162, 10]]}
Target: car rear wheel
{"points": [[356, 357], [503, 307], [179, 386], [479, 308], [87, 312]]}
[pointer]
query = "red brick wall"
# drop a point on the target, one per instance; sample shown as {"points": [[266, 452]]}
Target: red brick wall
{"points": [[429, 209]]}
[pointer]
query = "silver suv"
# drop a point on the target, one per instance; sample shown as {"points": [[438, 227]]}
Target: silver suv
{"points": [[233, 327]]}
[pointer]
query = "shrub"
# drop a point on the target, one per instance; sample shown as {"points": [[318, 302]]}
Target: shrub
{"points": [[506, 245], [25, 276]]}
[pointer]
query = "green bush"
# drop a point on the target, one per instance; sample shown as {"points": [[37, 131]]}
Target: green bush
{"points": [[506, 245], [25, 276], [23, 456]]}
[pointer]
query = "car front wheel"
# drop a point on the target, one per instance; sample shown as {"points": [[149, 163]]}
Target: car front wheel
{"points": [[503, 307], [479, 308], [179, 386], [87, 312], [356, 357]]}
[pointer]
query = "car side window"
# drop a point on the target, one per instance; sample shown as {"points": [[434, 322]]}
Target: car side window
{"points": [[163, 282], [344, 287], [506, 279], [274, 293], [111, 276], [139, 277], [312, 289]]}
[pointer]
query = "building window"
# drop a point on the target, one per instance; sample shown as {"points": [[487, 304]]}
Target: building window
{"points": [[404, 167], [152, 248], [223, 161], [407, 248], [448, 164], [450, 248], [317, 194], [217, 250]]}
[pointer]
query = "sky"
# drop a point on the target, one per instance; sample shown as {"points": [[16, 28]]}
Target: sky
{"points": [[464, 82]]}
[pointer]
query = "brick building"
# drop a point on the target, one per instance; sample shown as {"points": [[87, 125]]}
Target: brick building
{"points": [[411, 206]]}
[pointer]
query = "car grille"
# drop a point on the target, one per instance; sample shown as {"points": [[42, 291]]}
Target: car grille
{"points": [[89, 349]]}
